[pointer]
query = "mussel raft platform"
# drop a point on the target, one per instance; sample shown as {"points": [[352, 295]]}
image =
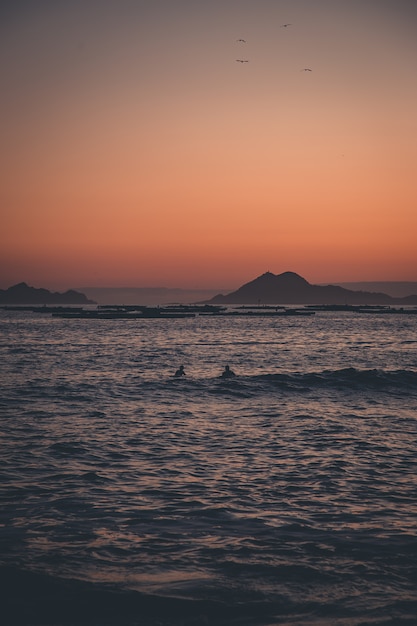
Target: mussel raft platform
{"points": [[189, 310], [177, 311]]}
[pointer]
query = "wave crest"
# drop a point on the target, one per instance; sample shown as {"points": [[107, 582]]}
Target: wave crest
{"points": [[349, 378]]}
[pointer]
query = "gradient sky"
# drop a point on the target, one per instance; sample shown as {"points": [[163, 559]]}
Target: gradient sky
{"points": [[136, 151]]}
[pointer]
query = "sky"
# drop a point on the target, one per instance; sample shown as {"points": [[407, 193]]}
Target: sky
{"points": [[136, 151]]}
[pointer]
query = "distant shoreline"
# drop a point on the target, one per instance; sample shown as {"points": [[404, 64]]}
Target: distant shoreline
{"points": [[170, 295], [396, 289], [148, 295], [160, 296]]}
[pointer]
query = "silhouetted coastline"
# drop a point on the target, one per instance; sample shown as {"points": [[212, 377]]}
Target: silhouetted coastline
{"points": [[24, 294], [290, 288], [268, 289]]}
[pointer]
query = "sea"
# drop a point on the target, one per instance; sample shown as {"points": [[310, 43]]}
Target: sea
{"points": [[286, 495]]}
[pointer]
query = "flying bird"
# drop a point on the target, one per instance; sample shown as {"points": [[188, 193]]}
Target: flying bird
{"points": [[242, 40], [285, 25], [242, 61], [306, 69]]}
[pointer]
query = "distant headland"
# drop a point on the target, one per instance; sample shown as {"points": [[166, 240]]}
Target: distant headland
{"points": [[24, 294], [268, 289], [290, 288]]}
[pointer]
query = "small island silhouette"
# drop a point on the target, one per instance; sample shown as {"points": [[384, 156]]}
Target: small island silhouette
{"points": [[267, 289], [24, 294], [290, 288]]}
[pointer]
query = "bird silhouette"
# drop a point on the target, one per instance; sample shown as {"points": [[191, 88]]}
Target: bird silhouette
{"points": [[242, 61], [306, 69], [241, 40], [285, 25]]}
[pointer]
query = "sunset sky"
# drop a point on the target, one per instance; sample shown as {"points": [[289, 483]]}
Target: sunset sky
{"points": [[136, 151]]}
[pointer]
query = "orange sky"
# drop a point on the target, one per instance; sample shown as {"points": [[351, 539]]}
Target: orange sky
{"points": [[136, 152]]}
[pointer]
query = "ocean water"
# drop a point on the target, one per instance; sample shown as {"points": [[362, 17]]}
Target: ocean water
{"points": [[287, 495]]}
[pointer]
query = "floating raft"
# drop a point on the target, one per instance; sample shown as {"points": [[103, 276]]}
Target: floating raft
{"points": [[126, 315], [375, 309], [178, 311]]}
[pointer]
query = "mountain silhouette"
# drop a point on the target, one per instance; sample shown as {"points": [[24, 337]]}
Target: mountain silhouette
{"points": [[23, 294], [290, 288]]}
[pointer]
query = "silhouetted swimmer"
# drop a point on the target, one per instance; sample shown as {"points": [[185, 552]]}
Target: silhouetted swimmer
{"points": [[180, 371], [228, 373]]}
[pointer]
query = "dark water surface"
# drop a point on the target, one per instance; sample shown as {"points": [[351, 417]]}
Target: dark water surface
{"points": [[287, 495]]}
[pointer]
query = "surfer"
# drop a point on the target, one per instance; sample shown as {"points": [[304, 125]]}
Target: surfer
{"points": [[228, 373], [180, 371]]}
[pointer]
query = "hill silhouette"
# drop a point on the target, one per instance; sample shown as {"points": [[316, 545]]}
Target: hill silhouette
{"points": [[23, 294], [290, 288]]}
